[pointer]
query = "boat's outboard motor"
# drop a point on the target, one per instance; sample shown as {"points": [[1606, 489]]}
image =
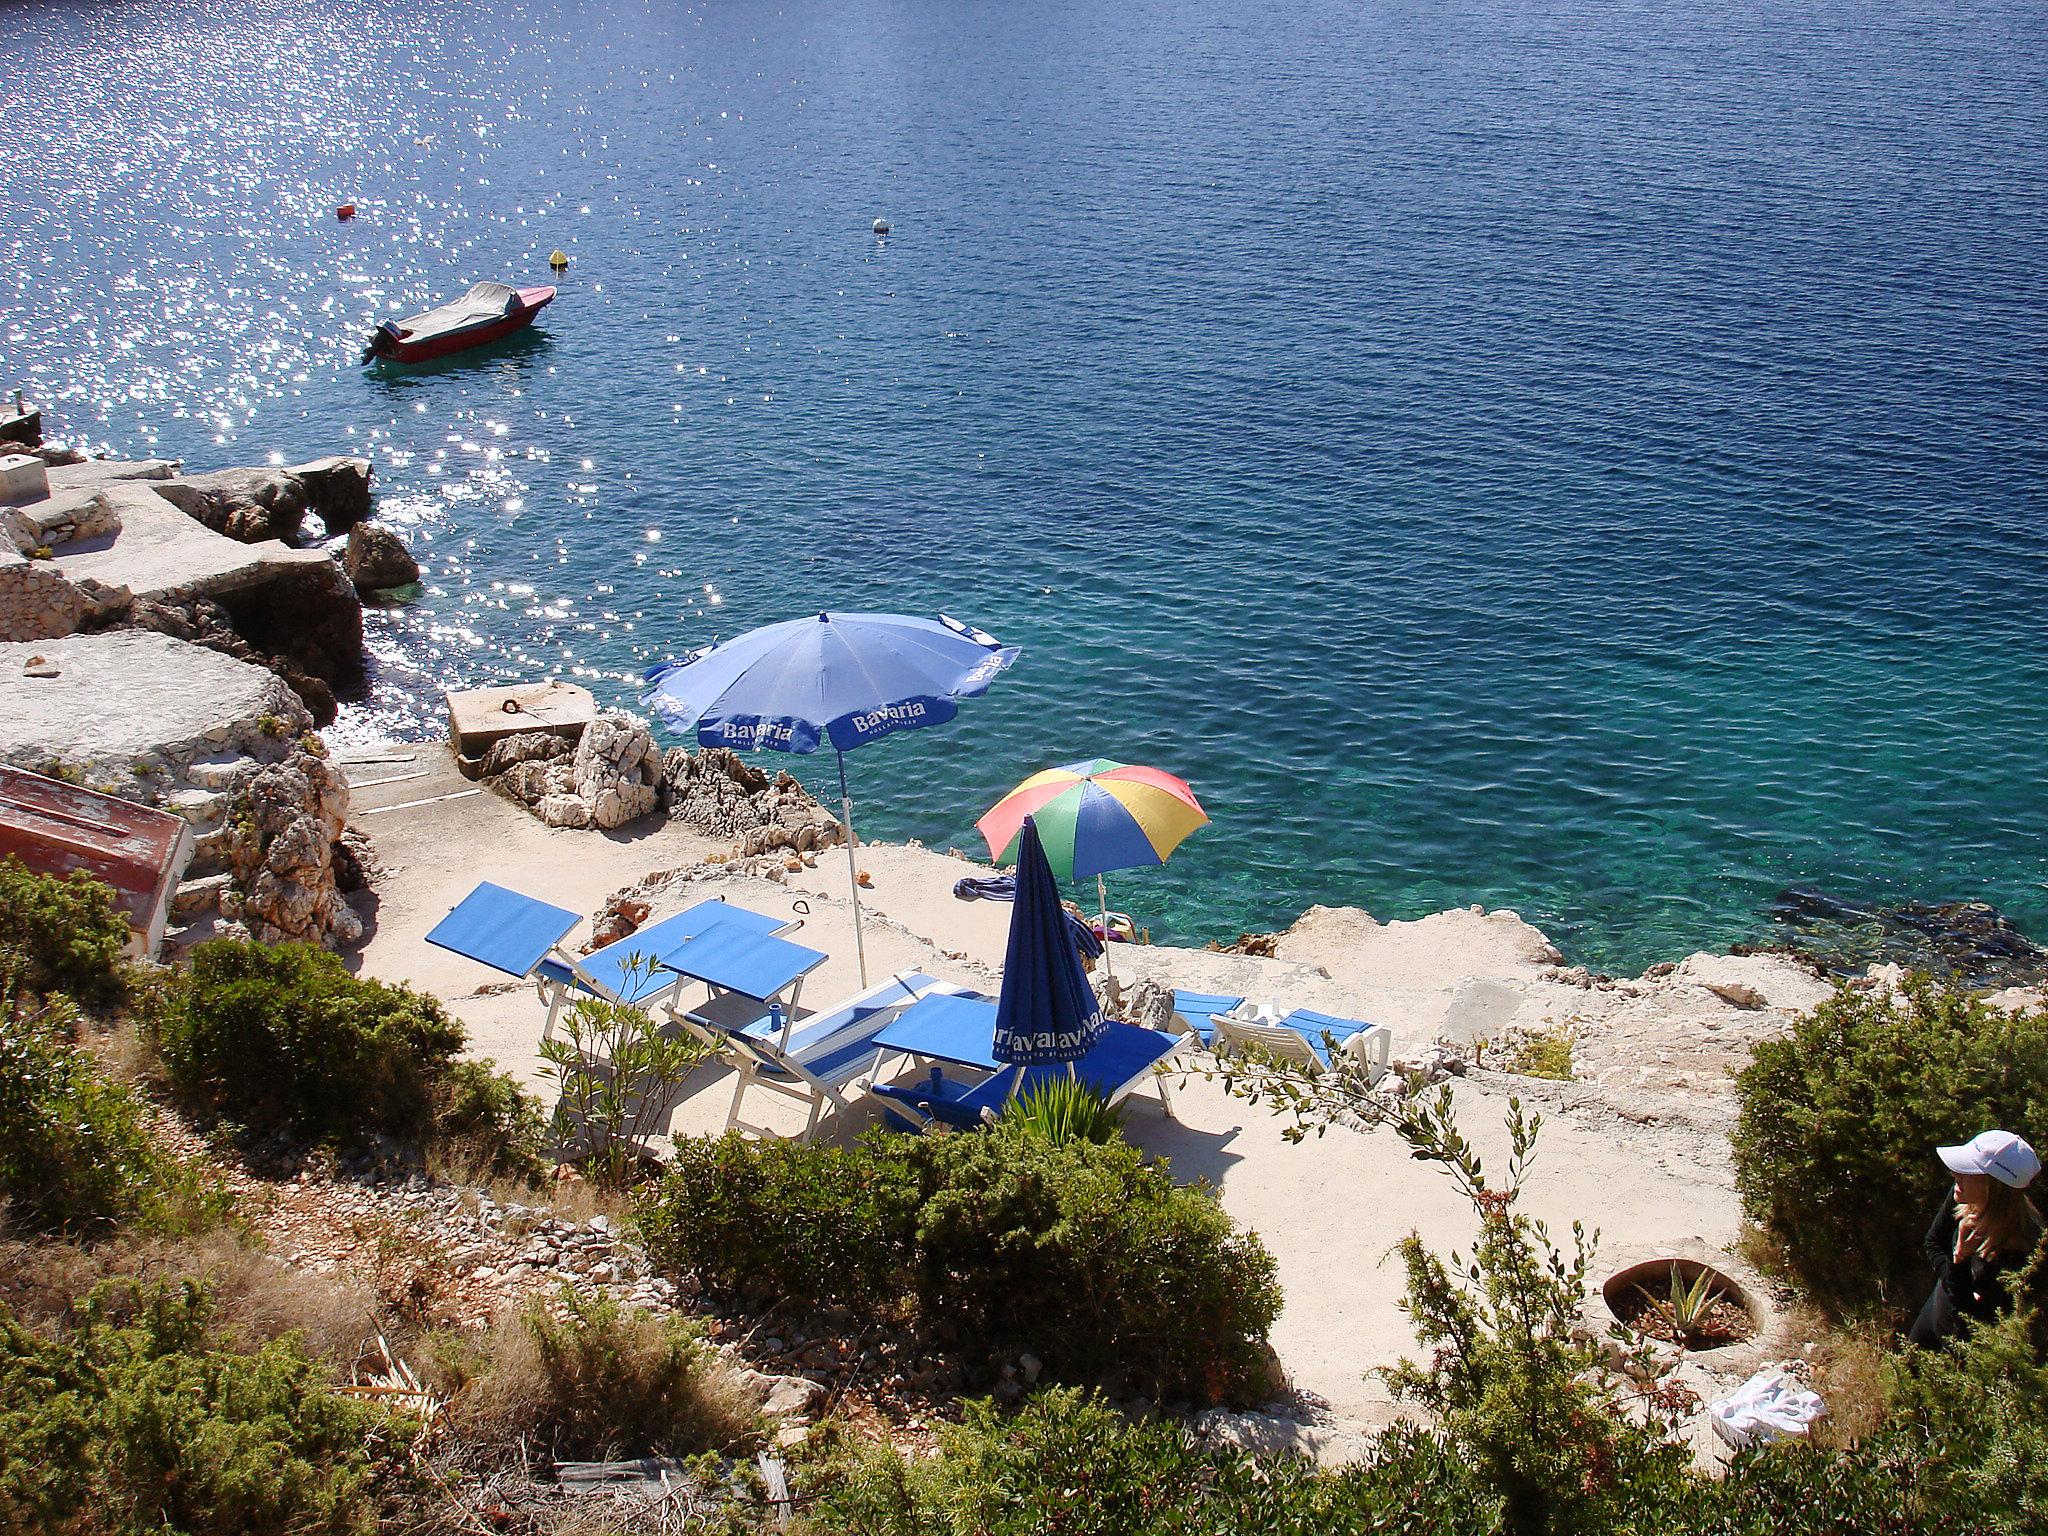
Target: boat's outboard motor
{"points": [[382, 342]]}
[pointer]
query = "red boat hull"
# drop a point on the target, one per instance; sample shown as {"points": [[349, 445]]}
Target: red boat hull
{"points": [[426, 349]]}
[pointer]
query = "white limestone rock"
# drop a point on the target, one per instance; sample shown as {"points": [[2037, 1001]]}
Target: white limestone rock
{"points": [[1755, 981], [616, 770]]}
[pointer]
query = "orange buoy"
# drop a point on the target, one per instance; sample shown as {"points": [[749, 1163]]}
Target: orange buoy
{"points": [[345, 211]]}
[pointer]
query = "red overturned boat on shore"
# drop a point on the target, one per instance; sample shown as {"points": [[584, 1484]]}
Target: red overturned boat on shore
{"points": [[488, 312]]}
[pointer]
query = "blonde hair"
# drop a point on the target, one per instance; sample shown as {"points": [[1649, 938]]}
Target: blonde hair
{"points": [[2008, 1220]]}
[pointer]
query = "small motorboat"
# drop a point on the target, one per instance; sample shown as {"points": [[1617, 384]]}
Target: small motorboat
{"points": [[488, 312]]}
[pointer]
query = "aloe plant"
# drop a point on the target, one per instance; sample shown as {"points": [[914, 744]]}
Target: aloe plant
{"points": [[1066, 1109], [1688, 1305]]}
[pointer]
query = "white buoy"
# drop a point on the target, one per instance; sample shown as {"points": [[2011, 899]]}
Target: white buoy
{"points": [[881, 226]]}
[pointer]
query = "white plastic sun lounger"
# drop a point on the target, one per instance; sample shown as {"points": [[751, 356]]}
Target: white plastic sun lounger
{"points": [[818, 1061], [1307, 1039]]}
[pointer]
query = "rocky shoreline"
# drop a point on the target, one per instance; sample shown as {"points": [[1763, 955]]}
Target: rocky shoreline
{"points": [[163, 641], [208, 562]]}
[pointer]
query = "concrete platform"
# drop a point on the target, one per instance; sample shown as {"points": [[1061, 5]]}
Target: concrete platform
{"points": [[160, 548], [121, 696], [98, 474]]}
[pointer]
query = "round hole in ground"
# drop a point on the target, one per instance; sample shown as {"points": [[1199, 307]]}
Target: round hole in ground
{"points": [[1682, 1301]]}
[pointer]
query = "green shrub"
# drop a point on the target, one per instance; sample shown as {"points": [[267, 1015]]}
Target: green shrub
{"points": [[1013, 1232], [1525, 1440], [486, 1125], [1834, 1151], [618, 1073], [991, 1238], [1508, 1381], [1066, 1109], [806, 1224], [139, 1425], [1974, 1419], [598, 1382], [1546, 1053], [1068, 1462], [75, 1154], [64, 935], [283, 1039]]}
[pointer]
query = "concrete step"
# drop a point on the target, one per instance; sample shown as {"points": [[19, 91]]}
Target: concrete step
{"points": [[201, 808], [210, 853], [59, 518], [218, 771], [200, 896]]}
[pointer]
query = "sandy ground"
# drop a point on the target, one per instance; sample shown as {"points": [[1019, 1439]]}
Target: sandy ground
{"points": [[1636, 1145]]}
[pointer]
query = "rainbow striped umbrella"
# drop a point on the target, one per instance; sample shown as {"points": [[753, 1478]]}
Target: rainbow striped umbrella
{"points": [[1095, 816]]}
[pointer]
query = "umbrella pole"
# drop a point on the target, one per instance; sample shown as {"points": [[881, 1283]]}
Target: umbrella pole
{"points": [[1102, 910], [852, 867]]}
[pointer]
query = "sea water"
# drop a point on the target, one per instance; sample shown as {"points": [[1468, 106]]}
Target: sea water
{"points": [[1585, 457]]}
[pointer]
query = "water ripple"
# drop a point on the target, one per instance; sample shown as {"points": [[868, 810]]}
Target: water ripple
{"points": [[1587, 458]]}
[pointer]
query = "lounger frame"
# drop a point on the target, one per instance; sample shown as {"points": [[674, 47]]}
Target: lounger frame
{"points": [[816, 1062]]}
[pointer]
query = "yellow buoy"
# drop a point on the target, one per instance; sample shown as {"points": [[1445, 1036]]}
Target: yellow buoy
{"points": [[558, 261]]}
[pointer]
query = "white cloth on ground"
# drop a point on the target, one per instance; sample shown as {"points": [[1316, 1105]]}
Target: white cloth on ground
{"points": [[1768, 1406]]}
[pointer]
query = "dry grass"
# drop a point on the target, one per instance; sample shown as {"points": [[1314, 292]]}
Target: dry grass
{"points": [[1848, 1373], [594, 1383], [409, 1275], [577, 1199], [255, 1298]]}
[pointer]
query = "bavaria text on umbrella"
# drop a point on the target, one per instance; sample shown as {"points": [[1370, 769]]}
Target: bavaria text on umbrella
{"points": [[1047, 1011]]}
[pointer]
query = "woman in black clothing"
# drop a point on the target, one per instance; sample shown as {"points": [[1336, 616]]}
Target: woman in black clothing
{"points": [[1981, 1238]]}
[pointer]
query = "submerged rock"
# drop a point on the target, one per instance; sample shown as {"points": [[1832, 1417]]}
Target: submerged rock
{"points": [[1970, 942]]}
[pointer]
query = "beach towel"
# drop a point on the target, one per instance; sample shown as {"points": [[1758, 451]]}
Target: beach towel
{"points": [[1004, 888], [1768, 1406]]}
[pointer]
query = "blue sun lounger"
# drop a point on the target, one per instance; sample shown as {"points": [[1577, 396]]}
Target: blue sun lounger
{"points": [[521, 936], [1196, 1012], [961, 1029]]}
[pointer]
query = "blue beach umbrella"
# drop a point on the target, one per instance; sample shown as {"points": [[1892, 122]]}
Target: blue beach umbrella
{"points": [[840, 680], [1047, 1012]]}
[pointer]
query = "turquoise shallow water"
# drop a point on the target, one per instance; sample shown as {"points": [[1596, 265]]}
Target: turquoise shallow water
{"points": [[1587, 457]]}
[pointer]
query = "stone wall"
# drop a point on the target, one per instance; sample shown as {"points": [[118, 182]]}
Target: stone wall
{"points": [[38, 601]]}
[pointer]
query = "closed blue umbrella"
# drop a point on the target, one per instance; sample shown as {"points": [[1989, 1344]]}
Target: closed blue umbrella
{"points": [[1047, 1012], [840, 680]]}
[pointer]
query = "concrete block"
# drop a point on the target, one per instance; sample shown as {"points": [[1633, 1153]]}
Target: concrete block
{"points": [[480, 717], [23, 477]]}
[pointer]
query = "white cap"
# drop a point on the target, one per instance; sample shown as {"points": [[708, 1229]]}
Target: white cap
{"points": [[2001, 1154]]}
